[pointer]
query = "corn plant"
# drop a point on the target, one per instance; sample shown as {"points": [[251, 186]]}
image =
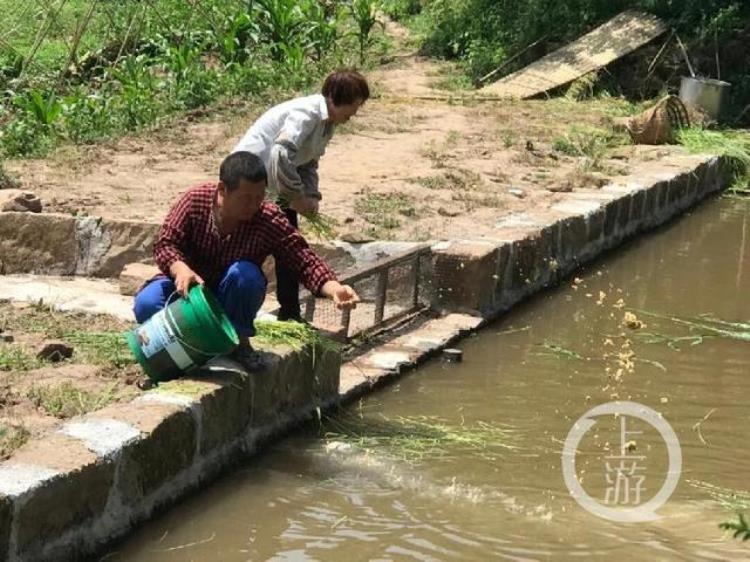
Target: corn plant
{"points": [[281, 21], [237, 32], [322, 27], [364, 13], [46, 109], [138, 91]]}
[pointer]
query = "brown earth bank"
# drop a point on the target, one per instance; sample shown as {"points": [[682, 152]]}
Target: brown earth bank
{"points": [[420, 161], [36, 393]]}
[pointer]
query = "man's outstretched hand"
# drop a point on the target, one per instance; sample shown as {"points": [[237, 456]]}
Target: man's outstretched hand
{"points": [[343, 296]]}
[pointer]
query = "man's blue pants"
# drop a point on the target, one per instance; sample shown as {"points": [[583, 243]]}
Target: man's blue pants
{"points": [[241, 292]]}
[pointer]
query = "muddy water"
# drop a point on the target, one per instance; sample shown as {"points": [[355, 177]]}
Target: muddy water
{"points": [[533, 374]]}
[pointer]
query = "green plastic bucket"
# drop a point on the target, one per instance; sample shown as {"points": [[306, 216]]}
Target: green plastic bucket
{"points": [[183, 335]]}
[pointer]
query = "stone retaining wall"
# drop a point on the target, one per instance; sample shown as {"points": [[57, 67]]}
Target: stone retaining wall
{"points": [[60, 244], [536, 249], [66, 494]]}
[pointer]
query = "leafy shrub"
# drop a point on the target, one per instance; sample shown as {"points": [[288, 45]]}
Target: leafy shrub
{"points": [[89, 116]]}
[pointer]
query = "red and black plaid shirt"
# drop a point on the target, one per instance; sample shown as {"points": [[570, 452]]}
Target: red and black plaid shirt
{"points": [[190, 234]]}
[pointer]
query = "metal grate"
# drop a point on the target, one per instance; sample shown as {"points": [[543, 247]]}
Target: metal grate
{"points": [[390, 289]]}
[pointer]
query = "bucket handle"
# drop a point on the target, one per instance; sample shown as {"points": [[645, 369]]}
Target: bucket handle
{"points": [[178, 333]]}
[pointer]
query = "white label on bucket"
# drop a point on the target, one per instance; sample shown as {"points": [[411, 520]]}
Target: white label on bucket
{"points": [[179, 355], [156, 335]]}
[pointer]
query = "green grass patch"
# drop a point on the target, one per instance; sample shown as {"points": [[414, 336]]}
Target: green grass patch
{"points": [[734, 145], [11, 438], [7, 181], [65, 400], [109, 348], [589, 142], [15, 358], [431, 182], [384, 210], [138, 66]]}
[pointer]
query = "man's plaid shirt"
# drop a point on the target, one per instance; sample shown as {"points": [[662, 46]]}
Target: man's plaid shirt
{"points": [[190, 234]]}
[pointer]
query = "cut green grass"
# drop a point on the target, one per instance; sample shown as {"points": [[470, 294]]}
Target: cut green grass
{"points": [[739, 528], [322, 226], [419, 438], [737, 501], [734, 145], [705, 326], [561, 352], [296, 335]]}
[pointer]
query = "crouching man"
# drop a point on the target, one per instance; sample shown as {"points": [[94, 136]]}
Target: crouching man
{"points": [[219, 235]]}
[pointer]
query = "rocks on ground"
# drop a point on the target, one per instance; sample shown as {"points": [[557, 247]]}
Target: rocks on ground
{"points": [[134, 276], [54, 351], [19, 200]]}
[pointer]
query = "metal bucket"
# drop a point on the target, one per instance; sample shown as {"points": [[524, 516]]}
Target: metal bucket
{"points": [[705, 93]]}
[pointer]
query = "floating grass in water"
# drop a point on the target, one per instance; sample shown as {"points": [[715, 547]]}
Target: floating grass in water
{"points": [[731, 144], [734, 500], [322, 226], [739, 528], [709, 327], [561, 351], [414, 439]]}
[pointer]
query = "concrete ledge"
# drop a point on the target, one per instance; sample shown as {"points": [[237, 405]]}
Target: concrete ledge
{"points": [[536, 249], [66, 494]]}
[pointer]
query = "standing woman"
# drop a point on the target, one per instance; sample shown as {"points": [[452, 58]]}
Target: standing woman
{"points": [[290, 138]]}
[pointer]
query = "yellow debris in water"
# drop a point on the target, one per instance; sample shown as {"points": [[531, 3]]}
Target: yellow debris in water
{"points": [[631, 321]]}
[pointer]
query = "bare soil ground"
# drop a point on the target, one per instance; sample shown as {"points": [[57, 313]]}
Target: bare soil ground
{"points": [[417, 163], [35, 395]]}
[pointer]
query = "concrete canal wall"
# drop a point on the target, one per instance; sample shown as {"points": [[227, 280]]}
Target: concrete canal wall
{"points": [[69, 493]]}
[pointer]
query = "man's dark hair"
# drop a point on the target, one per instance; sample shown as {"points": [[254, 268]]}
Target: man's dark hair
{"points": [[346, 86], [241, 166]]}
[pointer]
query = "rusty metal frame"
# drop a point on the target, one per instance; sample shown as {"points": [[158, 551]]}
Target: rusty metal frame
{"points": [[381, 270]]}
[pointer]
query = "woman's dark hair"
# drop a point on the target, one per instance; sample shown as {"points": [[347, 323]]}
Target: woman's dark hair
{"points": [[346, 86], [241, 166]]}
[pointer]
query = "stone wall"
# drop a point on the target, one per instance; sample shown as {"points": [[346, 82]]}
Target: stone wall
{"points": [[65, 495], [536, 249], [60, 244]]}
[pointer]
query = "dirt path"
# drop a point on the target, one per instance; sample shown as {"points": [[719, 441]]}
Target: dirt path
{"points": [[408, 167]]}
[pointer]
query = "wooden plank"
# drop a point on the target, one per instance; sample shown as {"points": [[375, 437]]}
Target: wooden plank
{"points": [[621, 35]]}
